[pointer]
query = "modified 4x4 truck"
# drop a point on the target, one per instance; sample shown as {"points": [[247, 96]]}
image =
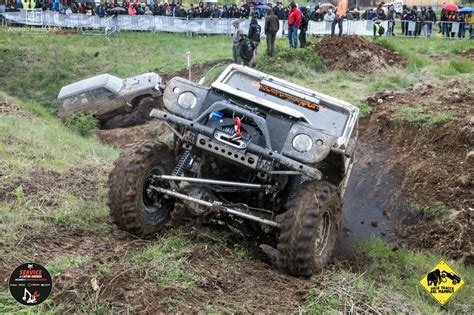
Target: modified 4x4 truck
{"points": [[252, 150]]}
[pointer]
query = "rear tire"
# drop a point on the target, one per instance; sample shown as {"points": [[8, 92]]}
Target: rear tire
{"points": [[310, 229], [132, 208]]}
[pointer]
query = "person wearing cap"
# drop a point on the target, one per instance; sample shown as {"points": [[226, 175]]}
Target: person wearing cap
{"points": [[236, 38], [340, 12], [294, 20]]}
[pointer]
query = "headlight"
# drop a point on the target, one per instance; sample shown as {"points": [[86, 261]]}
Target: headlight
{"points": [[302, 143], [187, 100]]}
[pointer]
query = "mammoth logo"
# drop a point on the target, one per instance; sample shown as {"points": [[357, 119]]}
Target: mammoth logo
{"points": [[434, 277]]}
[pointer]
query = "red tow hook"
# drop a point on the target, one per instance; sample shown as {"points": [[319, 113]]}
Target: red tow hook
{"points": [[237, 126]]}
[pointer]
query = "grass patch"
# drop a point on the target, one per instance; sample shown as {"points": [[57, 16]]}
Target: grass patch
{"points": [[418, 115], [462, 65], [83, 124], [435, 210], [29, 144], [169, 267], [64, 263], [297, 63], [400, 271]]}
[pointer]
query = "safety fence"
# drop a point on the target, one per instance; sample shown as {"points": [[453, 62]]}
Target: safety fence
{"points": [[110, 25], [167, 24]]}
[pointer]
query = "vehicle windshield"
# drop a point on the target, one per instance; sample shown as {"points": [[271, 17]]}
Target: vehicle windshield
{"points": [[323, 116], [114, 84]]}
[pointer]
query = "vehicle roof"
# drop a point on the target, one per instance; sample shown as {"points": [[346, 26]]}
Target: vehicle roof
{"points": [[85, 85]]}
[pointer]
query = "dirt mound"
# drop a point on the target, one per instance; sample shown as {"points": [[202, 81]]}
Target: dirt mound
{"points": [[354, 53], [427, 132]]}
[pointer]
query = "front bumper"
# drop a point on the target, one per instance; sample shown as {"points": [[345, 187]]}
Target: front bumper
{"points": [[263, 158]]}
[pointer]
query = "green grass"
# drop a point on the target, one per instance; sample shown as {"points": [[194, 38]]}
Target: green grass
{"points": [[295, 63], [166, 259], [387, 280], [400, 270], [64, 263], [435, 210], [418, 115]]}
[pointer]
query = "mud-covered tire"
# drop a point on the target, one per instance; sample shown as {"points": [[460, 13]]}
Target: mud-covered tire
{"points": [[138, 116], [310, 229], [130, 208]]}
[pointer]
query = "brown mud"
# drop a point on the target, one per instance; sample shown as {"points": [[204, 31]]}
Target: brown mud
{"points": [[434, 164], [468, 54], [356, 54]]}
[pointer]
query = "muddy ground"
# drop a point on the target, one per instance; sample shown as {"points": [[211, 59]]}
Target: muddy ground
{"points": [[434, 164], [356, 54]]}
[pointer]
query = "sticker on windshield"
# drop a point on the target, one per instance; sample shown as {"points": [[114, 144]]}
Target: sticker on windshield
{"points": [[285, 96]]}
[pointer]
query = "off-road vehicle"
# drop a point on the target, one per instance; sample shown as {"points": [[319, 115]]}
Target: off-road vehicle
{"points": [[116, 102], [252, 150]]}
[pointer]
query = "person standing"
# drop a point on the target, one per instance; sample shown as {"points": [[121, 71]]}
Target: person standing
{"points": [[254, 36], [430, 21], [340, 13], [391, 21], [246, 50], [236, 38], [272, 25], [303, 27], [294, 20]]}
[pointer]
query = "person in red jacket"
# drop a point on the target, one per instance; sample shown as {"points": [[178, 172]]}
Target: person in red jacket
{"points": [[294, 20]]}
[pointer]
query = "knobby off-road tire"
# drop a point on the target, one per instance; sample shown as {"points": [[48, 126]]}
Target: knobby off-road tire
{"points": [[310, 229], [138, 116], [131, 209]]}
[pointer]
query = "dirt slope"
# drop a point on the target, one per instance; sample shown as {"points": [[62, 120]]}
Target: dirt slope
{"points": [[356, 54], [427, 133]]}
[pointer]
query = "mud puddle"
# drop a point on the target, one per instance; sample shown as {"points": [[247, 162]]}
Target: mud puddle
{"points": [[372, 203]]}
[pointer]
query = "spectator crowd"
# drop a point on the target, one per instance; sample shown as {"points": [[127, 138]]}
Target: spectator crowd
{"points": [[424, 18]]}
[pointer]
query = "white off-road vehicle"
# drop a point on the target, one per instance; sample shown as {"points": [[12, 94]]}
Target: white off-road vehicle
{"points": [[252, 150]]}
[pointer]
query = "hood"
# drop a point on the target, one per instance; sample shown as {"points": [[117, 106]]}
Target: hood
{"points": [[143, 81]]}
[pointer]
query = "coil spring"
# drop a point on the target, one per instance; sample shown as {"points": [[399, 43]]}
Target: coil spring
{"points": [[182, 164], [294, 183]]}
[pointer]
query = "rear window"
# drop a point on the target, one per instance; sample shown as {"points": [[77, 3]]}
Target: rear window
{"points": [[323, 116]]}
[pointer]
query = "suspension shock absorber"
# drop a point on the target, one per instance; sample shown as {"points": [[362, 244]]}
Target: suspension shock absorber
{"points": [[183, 164], [294, 183]]}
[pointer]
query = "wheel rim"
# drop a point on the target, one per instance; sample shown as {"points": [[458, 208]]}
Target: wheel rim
{"points": [[152, 201], [323, 232]]}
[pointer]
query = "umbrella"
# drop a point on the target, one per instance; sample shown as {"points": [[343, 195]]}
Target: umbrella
{"points": [[327, 5], [466, 10], [450, 7], [117, 9], [264, 7]]}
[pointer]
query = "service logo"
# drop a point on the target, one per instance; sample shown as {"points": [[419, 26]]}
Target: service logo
{"points": [[30, 284], [442, 282]]}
